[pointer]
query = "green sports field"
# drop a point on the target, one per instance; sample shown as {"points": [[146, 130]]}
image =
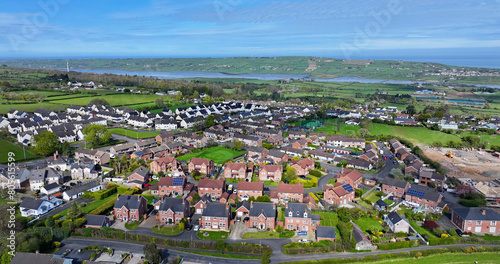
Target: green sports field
{"points": [[217, 154], [132, 133]]}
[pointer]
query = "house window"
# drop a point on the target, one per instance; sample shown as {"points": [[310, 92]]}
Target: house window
{"points": [[478, 222], [304, 221], [493, 223]]}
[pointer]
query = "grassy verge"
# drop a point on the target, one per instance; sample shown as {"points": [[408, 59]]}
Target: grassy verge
{"points": [[269, 234], [133, 225], [222, 255], [213, 235], [167, 230]]}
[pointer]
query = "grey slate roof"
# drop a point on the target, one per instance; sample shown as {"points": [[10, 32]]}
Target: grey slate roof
{"points": [[394, 217], [217, 210], [82, 188], [31, 203], [175, 204], [297, 210], [476, 214], [143, 171], [39, 258], [429, 194], [326, 232], [267, 209], [51, 186], [394, 182], [129, 201], [95, 220]]}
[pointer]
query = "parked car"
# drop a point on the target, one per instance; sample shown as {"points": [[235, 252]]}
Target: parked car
{"points": [[238, 218], [246, 219], [302, 233], [303, 240], [196, 228], [395, 162], [459, 232]]}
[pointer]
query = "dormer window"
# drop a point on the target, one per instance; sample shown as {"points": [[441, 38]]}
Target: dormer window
{"points": [[305, 214], [290, 214]]}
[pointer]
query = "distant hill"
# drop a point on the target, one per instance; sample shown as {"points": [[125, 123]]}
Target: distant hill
{"points": [[314, 66]]}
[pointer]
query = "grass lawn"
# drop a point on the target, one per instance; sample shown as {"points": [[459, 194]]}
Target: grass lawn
{"points": [[388, 202], [372, 197], [271, 183], [421, 230], [328, 219], [365, 223], [217, 154], [150, 198], [4, 108], [94, 204], [490, 238], [7, 147], [167, 230], [486, 257], [221, 255], [268, 234], [231, 180], [213, 235], [114, 100], [133, 225], [132, 133], [364, 204]]}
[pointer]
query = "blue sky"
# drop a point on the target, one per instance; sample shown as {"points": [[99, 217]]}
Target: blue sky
{"points": [[217, 28]]}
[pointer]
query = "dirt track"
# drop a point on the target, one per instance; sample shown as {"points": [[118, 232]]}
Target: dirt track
{"points": [[480, 166]]}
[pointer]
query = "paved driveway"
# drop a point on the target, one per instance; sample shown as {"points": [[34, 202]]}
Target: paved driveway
{"points": [[149, 222], [239, 229]]}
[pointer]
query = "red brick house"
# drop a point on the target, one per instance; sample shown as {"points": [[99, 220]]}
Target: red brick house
{"points": [[299, 217], [248, 189], [297, 134], [235, 170], [428, 177], [212, 188], [130, 207], [262, 215], [414, 168], [171, 210], [300, 143], [138, 177], [204, 166], [270, 173], [164, 164], [256, 153], [302, 167], [201, 204], [174, 147], [422, 196], [340, 194], [290, 192], [169, 186], [216, 216], [164, 138], [353, 175], [396, 187], [277, 156], [479, 221]]}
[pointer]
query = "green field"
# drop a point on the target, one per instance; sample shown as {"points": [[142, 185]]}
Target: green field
{"points": [[4, 108], [419, 135], [217, 154], [483, 258], [328, 219], [7, 147], [132, 133], [114, 100]]}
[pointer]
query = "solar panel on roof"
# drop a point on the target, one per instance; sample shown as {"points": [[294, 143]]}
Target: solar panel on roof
{"points": [[416, 193], [347, 187], [177, 181]]}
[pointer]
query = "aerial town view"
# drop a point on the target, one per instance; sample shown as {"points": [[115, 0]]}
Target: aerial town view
{"points": [[230, 131]]}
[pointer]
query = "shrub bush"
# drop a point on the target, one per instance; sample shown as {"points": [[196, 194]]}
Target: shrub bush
{"points": [[315, 173], [397, 245]]}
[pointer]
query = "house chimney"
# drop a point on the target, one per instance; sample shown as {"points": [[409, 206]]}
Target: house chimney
{"points": [[227, 206], [251, 204], [138, 197], [274, 206], [483, 211], [55, 155]]}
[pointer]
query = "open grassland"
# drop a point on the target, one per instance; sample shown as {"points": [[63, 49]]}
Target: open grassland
{"points": [[115, 99], [217, 154], [7, 147], [132, 133], [4, 108]]}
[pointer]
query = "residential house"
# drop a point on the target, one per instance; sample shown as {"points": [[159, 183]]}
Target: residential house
{"points": [[420, 196], [322, 155], [250, 189], [98, 156], [380, 205], [397, 223], [172, 210], [303, 166], [201, 204], [299, 217], [297, 134], [362, 241], [477, 220], [85, 169], [300, 143], [37, 207], [164, 164], [203, 166], [97, 221], [256, 153], [18, 179], [78, 191], [293, 152], [353, 177], [164, 138], [262, 215], [212, 188], [169, 186], [429, 178], [290, 192], [252, 141], [277, 156], [39, 258], [396, 188], [50, 188], [235, 170], [138, 177], [216, 216], [340, 194], [130, 207], [270, 173]]}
